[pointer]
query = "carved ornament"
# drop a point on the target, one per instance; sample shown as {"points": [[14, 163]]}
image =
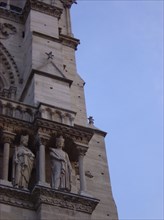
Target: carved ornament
{"points": [[8, 66], [42, 138], [80, 135], [46, 8], [64, 200], [6, 30], [12, 125], [14, 116], [68, 3], [16, 197], [8, 137], [82, 150], [39, 195]]}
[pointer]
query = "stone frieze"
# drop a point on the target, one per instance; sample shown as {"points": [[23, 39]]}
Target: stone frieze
{"points": [[44, 195], [46, 8]]}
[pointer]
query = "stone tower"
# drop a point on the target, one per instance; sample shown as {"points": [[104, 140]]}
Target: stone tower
{"points": [[53, 162]]}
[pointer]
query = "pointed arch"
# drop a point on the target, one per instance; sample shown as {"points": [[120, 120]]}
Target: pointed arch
{"points": [[9, 73]]}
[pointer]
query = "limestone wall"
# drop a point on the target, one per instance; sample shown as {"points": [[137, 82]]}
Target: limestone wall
{"points": [[98, 180], [8, 212], [41, 55]]}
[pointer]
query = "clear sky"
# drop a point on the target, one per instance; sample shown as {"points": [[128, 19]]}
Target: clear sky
{"points": [[121, 60]]}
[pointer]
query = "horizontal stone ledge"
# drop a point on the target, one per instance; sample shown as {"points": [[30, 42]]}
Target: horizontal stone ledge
{"points": [[46, 195], [64, 199]]}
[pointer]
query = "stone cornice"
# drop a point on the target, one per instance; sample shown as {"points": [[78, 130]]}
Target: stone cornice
{"points": [[9, 124], [47, 37], [16, 197], [77, 135], [92, 129], [100, 132], [63, 39], [52, 106], [64, 200], [45, 127], [69, 41], [46, 8], [68, 3], [44, 195], [35, 123], [52, 76]]}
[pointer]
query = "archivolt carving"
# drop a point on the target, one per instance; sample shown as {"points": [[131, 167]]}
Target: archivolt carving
{"points": [[9, 73], [6, 30]]}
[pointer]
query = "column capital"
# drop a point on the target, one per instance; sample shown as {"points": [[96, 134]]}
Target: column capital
{"points": [[81, 148], [42, 138], [8, 137]]}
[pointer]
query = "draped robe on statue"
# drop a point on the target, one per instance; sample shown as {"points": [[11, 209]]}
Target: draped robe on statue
{"points": [[22, 166], [61, 169]]}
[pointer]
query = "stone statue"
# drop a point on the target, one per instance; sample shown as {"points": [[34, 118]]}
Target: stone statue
{"points": [[60, 167], [23, 160]]}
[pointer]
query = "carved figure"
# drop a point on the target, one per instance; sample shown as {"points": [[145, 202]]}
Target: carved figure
{"points": [[60, 167], [23, 160]]}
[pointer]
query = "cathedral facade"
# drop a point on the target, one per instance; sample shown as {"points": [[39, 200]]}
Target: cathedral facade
{"points": [[53, 162]]}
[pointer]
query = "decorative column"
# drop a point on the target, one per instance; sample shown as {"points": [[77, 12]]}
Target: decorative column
{"points": [[72, 120], [69, 29], [67, 5], [81, 153], [41, 161], [62, 118], [6, 153], [7, 139]]}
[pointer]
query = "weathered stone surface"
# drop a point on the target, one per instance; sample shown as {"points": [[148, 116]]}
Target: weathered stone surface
{"points": [[42, 95]]}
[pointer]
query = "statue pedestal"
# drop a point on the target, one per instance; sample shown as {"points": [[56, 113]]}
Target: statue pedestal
{"points": [[44, 184], [5, 183], [82, 193]]}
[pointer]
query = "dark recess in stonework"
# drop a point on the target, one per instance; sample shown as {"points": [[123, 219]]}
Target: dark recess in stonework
{"points": [[12, 7]]}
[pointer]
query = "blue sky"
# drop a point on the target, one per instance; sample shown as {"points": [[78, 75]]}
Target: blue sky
{"points": [[121, 60]]}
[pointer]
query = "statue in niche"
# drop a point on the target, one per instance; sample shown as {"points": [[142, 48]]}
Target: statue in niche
{"points": [[60, 167], [23, 161]]}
